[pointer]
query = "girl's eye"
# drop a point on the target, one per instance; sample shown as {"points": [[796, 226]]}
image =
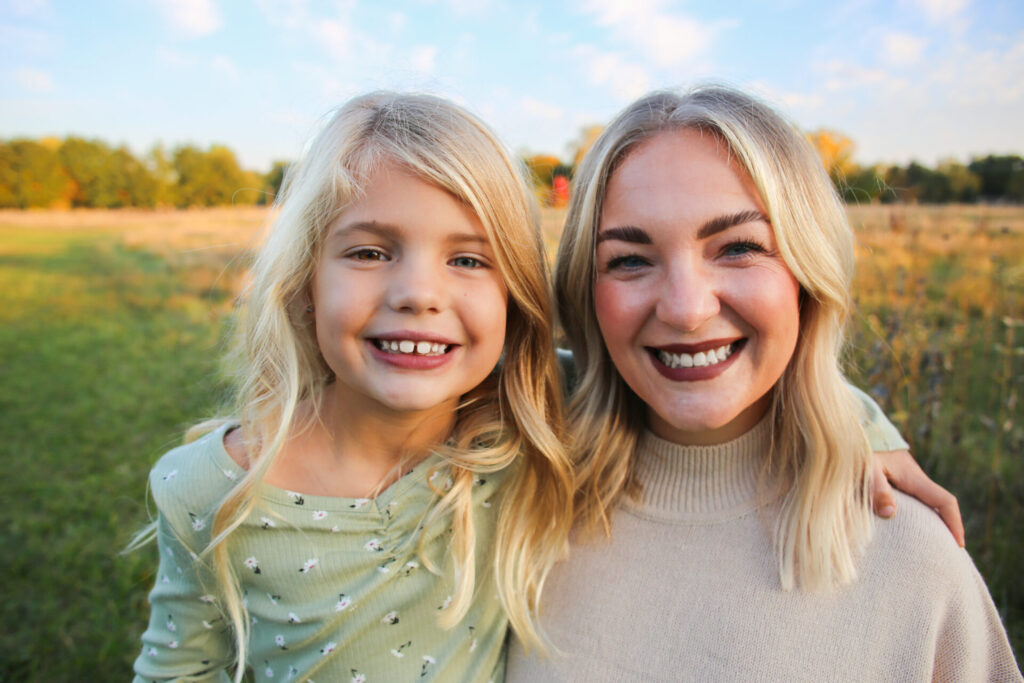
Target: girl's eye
{"points": [[626, 262], [742, 248], [467, 262], [369, 254]]}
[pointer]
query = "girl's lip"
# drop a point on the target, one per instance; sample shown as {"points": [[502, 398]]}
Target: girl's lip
{"points": [[698, 347], [410, 361], [411, 335]]}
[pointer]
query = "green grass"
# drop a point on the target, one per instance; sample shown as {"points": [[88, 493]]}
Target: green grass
{"points": [[109, 351], [104, 358]]}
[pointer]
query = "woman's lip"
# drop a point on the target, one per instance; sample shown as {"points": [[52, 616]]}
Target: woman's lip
{"points": [[694, 374], [698, 347]]}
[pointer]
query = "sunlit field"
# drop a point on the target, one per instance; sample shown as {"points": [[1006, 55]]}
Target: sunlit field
{"points": [[111, 325]]}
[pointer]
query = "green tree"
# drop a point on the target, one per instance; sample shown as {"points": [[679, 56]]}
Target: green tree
{"points": [[1002, 177], [206, 178], [274, 179], [30, 175]]}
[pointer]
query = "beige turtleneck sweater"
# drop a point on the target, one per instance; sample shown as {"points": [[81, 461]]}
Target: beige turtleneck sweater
{"points": [[687, 589]]}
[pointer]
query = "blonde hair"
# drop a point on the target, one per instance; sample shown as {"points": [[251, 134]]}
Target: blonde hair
{"points": [[515, 415], [819, 452]]}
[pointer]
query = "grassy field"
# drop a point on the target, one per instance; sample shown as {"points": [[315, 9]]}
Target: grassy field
{"points": [[112, 322]]}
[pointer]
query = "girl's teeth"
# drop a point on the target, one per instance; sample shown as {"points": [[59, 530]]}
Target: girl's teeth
{"points": [[422, 348], [701, 359]]}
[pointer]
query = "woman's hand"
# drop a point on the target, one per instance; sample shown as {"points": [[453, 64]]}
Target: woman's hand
{"points": [[900, 468]]}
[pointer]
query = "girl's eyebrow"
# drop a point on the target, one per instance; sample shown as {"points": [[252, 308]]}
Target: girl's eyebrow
{"points": [[391, 231], [720, 223]]}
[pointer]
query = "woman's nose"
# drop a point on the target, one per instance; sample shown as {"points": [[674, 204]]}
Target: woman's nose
{"points": [[688, 297]]}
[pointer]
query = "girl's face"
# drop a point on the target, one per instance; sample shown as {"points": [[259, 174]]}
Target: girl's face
{"points": [[409, 305], [696, 306]]}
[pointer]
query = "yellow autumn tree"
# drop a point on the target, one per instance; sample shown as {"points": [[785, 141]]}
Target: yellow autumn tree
{"points": [[835, 151]]}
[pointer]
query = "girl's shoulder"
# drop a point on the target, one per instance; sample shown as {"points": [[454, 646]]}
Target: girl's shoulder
{"points": [[190, 481]]}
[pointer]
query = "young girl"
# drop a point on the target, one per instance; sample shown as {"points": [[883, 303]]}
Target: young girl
{"points": [[347, 525]]}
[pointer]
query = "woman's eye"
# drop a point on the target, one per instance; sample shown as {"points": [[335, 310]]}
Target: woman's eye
{"points": [[626, 262], [466, 262], [369, 255], [742, 248]]}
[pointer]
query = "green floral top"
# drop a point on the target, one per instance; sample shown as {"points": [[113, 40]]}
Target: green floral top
{"points": [[337, 588]]}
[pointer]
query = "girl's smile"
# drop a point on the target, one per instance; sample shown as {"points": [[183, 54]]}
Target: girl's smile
{"points": [[409, 307]]}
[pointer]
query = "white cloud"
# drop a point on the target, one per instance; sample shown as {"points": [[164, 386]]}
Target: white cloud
{"points": [[842, 76], [39, 9], [175, 59], [537, 109], [332, 35], [626, 80], [941, 10], [667, 39], [423, 59], [988, 77], [34, 80], [397, 21], [191, 18], [225, 67], [902, 49]]}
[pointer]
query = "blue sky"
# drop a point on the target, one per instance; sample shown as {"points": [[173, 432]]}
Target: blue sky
{"points": [[905, 79]]}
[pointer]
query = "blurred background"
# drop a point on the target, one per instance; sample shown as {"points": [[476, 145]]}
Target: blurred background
{"points": [[141, 142]]}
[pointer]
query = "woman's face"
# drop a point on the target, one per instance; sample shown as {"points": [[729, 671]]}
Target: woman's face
{"points": [[696, 306]]}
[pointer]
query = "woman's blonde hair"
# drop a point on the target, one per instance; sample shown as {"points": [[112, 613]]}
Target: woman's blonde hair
{"points": [[513, 417], [819, 453]]}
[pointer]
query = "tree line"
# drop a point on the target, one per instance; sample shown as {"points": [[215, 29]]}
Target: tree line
{"points": [[77, 172]]}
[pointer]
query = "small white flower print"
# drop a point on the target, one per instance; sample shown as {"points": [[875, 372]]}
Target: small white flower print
{"points": [[230, 475], [268, 671], [253, 564], [279, 641], [151, 652], [358, 677], [170, 475], [207, 625], [397, 652], [335, 529], [292, 671], [373, 545], [385, 568], [267, 523], [165, 579], [296, 497], [447, 601], [273, 598], [170, 624], [359, 503], [343, 602], [293, 618], [486, 504], [328, 648], [198, 523], [208, 599], [319, 514], [390, 618], [308, 565], [173, 645], [411, 566], [427, 662]]}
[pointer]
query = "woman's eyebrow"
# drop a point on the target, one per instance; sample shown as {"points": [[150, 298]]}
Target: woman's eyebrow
{"points": [[627, 233], [720, 223]]}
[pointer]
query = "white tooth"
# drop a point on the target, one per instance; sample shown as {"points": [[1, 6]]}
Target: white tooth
{"points": [[712, 358], [437, 348], [686, 360], [423, 347], [699, 359], [394, 346], [406, 346], [723, 353]]}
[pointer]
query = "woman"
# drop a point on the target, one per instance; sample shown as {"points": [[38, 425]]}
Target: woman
{"points": [[703, 281]]}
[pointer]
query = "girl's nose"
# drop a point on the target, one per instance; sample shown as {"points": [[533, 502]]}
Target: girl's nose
{"points": [[688, 296], [416, 288]]}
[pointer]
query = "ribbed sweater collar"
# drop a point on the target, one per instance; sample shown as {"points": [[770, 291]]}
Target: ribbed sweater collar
{"points": [[700, 483]]}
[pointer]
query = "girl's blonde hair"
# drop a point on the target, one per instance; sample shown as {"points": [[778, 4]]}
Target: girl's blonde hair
{"points": [[819, 453], [513, 417]]}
